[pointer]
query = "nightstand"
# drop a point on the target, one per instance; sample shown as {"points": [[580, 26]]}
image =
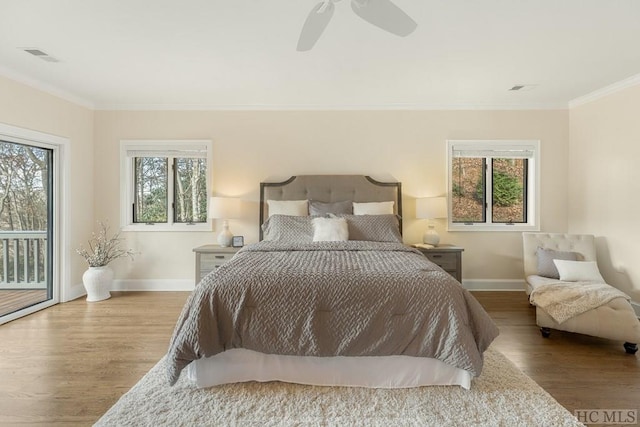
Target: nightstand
{"points": [[447, 257], [210, 257]]}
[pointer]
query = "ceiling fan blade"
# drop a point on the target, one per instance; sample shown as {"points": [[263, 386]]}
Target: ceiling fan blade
{"points": [[315, 24], [386, 15]]}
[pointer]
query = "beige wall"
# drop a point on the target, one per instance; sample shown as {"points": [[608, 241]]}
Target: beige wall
{"points": [[596, 194], [32, 109], [604, 183], [251, 146]]}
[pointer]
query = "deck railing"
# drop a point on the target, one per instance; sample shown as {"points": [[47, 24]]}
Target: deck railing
{"points": [[23, 260]]}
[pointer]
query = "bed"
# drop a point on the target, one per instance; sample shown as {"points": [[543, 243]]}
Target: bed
{"points": [[364, 310]]}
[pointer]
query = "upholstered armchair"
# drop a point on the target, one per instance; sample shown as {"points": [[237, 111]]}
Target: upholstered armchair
{"points": [[615, 320]]}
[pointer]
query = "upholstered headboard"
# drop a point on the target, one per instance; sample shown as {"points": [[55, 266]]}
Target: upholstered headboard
{"points": [[329, 189], [584, 244]]}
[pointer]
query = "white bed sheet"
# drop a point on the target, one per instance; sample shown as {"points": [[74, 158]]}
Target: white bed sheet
{"points": [[241, 365]]}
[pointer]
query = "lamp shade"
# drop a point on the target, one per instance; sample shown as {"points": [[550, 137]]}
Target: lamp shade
{"points": [[431, 207], [224, 208]]}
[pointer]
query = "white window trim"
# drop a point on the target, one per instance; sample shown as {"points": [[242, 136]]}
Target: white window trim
{"points": [[127, 188], [533, 182]]}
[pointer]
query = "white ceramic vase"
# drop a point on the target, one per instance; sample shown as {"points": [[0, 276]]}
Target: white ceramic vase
{"points": [[97, 281], [431, 236]]}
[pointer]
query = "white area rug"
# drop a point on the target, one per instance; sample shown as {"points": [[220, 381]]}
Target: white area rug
{"points": [[501, 396]]}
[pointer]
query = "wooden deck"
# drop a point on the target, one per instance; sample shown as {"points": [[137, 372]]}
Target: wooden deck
{"points": [[11, 301]]}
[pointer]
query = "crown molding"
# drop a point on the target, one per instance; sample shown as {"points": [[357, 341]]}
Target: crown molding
{"points": [[605, 91], [323, 107], [65, 95], [44, 87]]}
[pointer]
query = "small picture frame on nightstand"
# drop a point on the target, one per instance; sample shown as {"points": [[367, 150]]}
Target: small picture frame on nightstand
{"points": [[237, 242]]}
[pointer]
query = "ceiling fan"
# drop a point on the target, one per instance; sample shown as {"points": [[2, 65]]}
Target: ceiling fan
{"points": [[381, 13]]}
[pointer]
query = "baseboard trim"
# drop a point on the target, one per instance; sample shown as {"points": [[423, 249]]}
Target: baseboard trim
{"points": [[173, 285], [150, 285], [163, 285], [188, 285], [74, 292], [494, 285]]}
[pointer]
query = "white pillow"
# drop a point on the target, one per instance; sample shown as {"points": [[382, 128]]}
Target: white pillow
{"points": [[288, 207], [373, 208], [573, 271], [330, 230]]}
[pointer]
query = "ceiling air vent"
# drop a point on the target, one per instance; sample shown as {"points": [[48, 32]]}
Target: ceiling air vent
{"points": [[40, 54], [522, 87]]}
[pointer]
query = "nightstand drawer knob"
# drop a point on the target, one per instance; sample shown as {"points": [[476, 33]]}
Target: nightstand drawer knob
{"points": [[219, 256], [436, 256]]}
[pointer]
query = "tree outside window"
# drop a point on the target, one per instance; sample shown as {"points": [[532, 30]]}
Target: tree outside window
{"points": [[166, 185], [492, 185]]}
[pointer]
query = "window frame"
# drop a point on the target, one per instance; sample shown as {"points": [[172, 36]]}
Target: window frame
{"points": [[173, 149], [532, 199]]}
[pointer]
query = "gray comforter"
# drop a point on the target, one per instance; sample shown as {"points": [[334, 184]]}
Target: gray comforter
{"points": [[332, 299]]}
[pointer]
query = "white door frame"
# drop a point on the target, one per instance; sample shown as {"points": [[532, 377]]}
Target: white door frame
{"points": [[61, 266]]}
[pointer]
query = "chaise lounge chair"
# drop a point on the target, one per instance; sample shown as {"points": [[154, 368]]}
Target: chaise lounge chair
{"points": [[615, 320]]}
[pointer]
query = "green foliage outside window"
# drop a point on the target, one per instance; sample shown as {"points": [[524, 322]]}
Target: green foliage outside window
{"points": [[191, 190], [151, 189], [152, 198], [507, 190]]}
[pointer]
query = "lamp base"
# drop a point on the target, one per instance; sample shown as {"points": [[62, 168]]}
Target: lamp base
{"points": [[225, 238], [431, 236]]}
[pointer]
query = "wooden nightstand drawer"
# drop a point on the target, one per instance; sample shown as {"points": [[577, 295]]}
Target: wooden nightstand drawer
{"points": [[447, 257], [213, 260], [448, 262], [211, 257]]}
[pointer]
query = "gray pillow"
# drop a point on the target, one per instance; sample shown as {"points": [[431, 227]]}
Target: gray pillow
{"points": [[336, 208], [546, 266], [374, 228], [288, 228]]}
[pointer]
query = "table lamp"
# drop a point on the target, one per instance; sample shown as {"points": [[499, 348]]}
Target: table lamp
{"points": [[431, 208], [224, 208]]}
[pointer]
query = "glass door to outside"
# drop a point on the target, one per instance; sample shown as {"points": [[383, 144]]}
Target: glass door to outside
{"points": [[26, 232]]}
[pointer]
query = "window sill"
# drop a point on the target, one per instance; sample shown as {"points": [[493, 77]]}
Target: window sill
{"points": [[493, 227], [168, 227]]}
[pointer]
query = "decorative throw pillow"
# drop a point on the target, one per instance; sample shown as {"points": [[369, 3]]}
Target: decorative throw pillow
{"points": [[575, 271], [546, 267], [287, 228], [330, 230], [288, 207], [374, 228], [373, 208], [322, 209]]}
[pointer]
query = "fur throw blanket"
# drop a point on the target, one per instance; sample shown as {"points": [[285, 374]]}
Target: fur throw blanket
{"points": [[564, 300]]}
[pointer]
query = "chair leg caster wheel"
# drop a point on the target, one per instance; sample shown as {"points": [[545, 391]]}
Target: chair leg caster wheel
{"points": [[630, 347], [546, 332]]}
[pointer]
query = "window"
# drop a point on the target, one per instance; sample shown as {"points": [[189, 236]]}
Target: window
{"points": [[493, 185], [165, 185]]}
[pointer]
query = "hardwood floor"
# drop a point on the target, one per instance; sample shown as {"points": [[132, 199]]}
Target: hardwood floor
{"points": [[579, 371], [68, 364]]}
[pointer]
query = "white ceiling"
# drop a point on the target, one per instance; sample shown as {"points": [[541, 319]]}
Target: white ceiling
{"points": [[215, 54]]}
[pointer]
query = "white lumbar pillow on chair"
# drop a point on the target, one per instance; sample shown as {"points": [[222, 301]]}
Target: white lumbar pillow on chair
{"points": [[578, 271]]}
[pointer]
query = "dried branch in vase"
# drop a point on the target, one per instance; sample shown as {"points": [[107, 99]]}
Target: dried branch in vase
{"points": [[103, 249]]}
